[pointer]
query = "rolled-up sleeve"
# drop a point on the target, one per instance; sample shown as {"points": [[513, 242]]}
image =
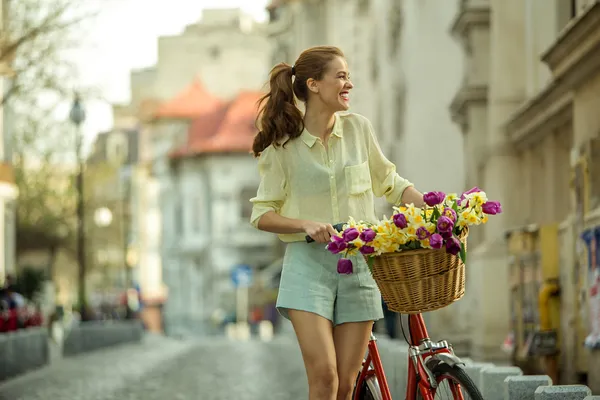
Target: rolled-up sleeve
{"points": [[385, 180], [271, 191]]}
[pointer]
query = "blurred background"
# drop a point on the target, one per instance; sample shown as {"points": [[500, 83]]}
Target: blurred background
{"points": [[125, 176]]}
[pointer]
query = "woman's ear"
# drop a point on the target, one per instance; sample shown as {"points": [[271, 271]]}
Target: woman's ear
{"points": [[312, 85]]}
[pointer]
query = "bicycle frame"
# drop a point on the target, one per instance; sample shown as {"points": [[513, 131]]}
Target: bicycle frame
{"points": [[419, 376]]}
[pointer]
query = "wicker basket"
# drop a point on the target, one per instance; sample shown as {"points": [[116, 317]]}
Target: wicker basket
{"points": [[416, 281]]}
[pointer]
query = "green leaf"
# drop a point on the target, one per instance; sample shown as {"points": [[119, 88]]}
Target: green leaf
{"points": [[370, 261], [463, 253], [435, 215], [455, 206]]}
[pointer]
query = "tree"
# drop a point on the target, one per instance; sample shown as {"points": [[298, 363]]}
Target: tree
{"points": [[39, 33]]}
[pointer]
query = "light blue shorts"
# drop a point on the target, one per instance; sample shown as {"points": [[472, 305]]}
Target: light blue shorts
{"points": [[310, 282]]}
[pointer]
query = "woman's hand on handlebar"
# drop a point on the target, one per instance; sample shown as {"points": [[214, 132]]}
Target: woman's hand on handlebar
{"points": [[319, 231]]}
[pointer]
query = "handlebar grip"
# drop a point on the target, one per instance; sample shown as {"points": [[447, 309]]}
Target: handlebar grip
{"points": [[338, 227]]}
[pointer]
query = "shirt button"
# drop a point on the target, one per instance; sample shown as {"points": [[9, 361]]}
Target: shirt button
{"points": [[331, 161]]}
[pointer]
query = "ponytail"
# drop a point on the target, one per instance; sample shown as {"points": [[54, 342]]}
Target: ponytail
{"points": [[279, 117]]}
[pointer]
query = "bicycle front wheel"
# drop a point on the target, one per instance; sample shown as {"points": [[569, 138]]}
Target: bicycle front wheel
{"points": [[453, 384], [368, 390]]}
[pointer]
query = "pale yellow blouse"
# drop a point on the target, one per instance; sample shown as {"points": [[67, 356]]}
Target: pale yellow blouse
{"points": [[304, 180]]}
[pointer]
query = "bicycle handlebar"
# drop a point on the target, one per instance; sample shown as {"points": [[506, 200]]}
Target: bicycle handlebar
{"points": [[338, 227]]}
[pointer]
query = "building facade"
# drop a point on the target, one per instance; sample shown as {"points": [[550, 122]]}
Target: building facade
{"points": [[528, 112], [206, 203], [223, 54], [8, 189], [111, 165]]}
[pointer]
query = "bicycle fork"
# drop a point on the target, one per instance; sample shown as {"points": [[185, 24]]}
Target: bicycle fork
{"points": [[423, 356]]}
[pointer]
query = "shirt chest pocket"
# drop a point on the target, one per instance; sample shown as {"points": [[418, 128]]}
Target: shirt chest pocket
{"points": [[358, 178]]}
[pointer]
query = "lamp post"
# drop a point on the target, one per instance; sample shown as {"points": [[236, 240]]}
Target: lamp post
{"points": [[77, 116]]}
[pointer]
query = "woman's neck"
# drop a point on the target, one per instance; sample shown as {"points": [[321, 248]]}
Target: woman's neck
{"points": [[319, 123]]}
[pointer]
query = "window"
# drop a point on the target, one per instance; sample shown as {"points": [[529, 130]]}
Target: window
{"points": [[116, 148], [395, 27], [178, 218], [214, 52], [274, 13], [197, 212]]}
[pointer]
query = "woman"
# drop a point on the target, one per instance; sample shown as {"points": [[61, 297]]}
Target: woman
{"points": [[319, 169]]}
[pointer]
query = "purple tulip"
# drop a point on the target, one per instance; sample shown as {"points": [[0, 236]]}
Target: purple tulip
{"points": [[337, 245], [434, 198], [492, 207], [350, 234], [445, 224], [367, 250], [472, 190], [344, 266], [368, 235], [422, 233], [400, 221], [450, 213], [453, 245], [446, 235], [436, 241]]}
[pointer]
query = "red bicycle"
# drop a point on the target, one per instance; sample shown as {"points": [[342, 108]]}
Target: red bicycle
{"points": [[433, 370]]}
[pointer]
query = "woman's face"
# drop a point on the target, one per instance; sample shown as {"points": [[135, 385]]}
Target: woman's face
{"points": [[333, 90]]}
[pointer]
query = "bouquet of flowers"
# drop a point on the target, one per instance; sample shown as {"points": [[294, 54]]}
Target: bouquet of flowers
{"points": [[438, 225]]}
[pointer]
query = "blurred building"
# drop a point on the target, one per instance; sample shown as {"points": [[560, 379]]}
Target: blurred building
{"points": [[109, 169], [8, 189], [528, 109], [212, 177], [205, 77], [406, 68]]}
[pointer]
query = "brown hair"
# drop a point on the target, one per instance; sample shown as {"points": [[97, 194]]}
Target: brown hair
{"points": [[279, 117]]}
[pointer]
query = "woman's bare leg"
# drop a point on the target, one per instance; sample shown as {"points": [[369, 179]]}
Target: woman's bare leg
{"points": [[315, 336], [350, 341]]}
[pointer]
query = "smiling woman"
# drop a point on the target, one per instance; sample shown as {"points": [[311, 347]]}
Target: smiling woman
{"points": [[319, 168]]}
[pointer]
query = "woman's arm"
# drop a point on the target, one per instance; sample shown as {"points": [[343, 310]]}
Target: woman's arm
{"points": [[385, 180], [275, 223], [412, 195]]}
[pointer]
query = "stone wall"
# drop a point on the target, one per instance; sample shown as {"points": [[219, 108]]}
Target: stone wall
{"points": [[91, 336], [22, 351], [494, 382]]}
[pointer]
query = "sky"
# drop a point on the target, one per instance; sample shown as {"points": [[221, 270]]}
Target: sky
{"points": [[124, 37]]}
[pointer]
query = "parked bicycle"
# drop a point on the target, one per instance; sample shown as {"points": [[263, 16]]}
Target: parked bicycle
{"points": [[434, 371]]}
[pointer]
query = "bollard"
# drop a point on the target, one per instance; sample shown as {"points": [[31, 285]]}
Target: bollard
{"points": [[492, 381], [265, 331], [565, 392], [474, 371], [519, 387]]}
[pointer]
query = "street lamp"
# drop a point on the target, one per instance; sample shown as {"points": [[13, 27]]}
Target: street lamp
{"points": [[77, 116], [103, 217]]}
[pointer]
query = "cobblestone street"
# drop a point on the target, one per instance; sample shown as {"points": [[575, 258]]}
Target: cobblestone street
{"points": [[162, 368]]}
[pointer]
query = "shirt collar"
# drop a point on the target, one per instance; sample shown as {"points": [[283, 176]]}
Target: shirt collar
{"points": [[310, 140]]}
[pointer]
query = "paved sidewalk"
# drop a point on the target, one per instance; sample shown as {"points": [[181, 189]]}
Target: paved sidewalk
{"points": [[96, 375], [225, 370]]}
